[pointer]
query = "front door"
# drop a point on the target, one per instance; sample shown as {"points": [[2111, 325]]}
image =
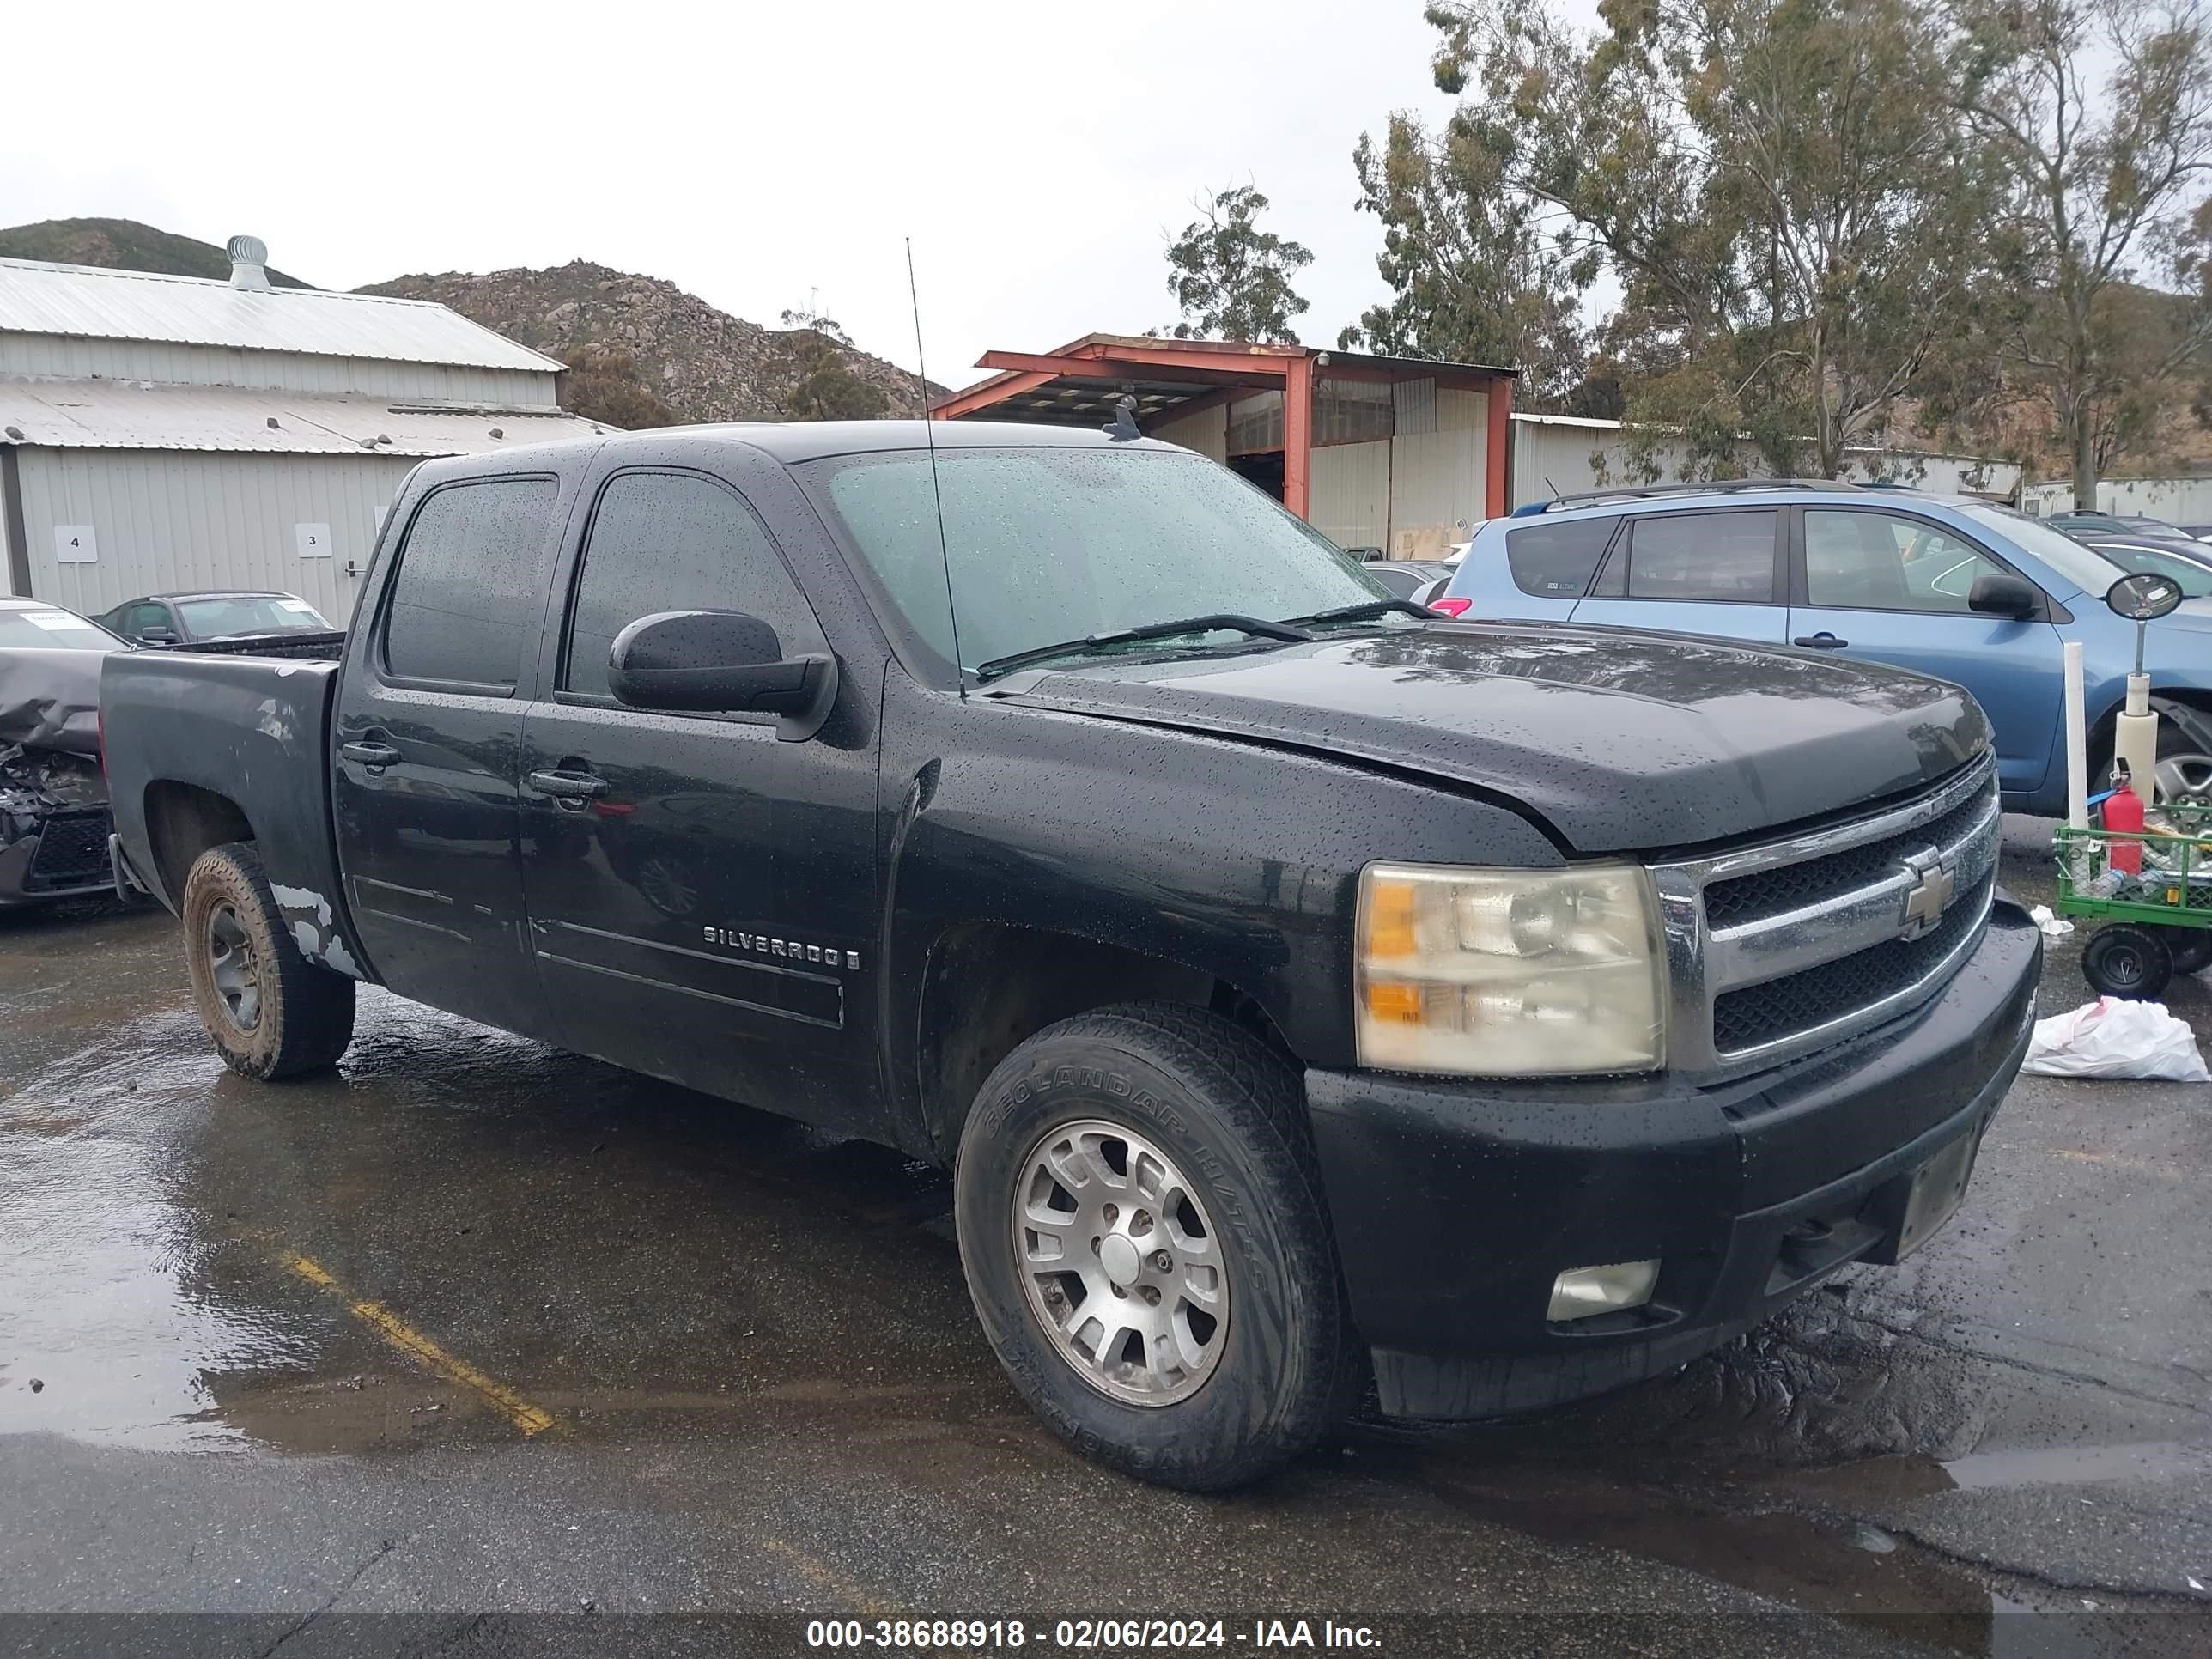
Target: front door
{"points": [[701, 894], [1893, 588], [428, 739], [1716, 572]]}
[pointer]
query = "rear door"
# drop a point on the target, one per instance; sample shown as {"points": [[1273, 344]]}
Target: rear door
{"points": [[701, 894], [1720, 572], [1891, 587], [429, 737]]}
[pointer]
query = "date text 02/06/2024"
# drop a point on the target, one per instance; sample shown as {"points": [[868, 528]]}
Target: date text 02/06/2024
{"points": [[1087, 1634]]}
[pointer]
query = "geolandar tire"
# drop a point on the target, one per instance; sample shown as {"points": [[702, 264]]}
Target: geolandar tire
{"points": [[1196, 1336], [270, 1012]]}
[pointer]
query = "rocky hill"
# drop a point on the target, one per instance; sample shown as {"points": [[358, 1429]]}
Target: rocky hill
{"points": [[703, 364], [122, 245]]}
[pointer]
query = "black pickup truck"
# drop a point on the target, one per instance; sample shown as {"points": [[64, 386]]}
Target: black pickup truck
{"points": [[1305, 991]]}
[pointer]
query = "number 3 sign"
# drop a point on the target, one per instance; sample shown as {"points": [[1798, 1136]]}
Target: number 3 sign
{"points": [[314, 540]]}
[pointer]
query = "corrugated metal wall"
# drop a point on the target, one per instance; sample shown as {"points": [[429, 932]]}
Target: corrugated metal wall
{"points": [[168, 521], [69, 357], [1438, 478], [1206, 431], [1350, 494]]}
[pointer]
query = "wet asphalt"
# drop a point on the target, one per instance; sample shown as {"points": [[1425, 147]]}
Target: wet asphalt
{"points": [[475, 1327]]}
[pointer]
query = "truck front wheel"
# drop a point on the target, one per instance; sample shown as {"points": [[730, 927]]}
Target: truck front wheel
{"points": [[1142, 1233], [270, 1012]]}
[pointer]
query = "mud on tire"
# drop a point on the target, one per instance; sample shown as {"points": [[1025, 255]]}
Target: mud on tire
{"points": [[268, 1011], [1225, 1112]]}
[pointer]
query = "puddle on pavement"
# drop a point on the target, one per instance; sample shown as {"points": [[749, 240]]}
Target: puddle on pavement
{"points": [[646, 1264]]}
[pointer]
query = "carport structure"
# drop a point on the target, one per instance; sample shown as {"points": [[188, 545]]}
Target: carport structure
{"points": [[1377, 452]]}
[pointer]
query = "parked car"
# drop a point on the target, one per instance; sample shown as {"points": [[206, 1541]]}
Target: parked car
{"points": [[1300, 989], [1409, 578], [2197, 532], [2083, 524], [196, 618], [53, 802], [1950, 586], [2189, 566]]}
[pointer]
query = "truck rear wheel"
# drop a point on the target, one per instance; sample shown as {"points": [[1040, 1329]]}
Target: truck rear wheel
{"points": [[270, 1012], [1142, 1233]]}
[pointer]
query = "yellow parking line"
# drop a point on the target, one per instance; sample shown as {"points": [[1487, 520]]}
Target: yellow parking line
{"points": [[827, 1578], [530, 1419]]}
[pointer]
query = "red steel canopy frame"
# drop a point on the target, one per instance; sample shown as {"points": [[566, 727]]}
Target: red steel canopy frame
{"points": [[1189, 370]]}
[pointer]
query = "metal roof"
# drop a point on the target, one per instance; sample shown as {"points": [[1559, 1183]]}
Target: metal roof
{"points": [[94, 303], [135, 415]]}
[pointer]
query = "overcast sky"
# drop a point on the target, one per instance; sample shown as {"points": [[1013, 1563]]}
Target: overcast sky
{"points": [[1035, 150]]}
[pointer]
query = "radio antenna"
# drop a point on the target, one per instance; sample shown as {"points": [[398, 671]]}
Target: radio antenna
{"points": [[936, 489]]}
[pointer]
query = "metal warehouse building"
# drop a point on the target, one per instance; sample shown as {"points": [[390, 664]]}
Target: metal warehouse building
{"points": [[171, 433], [1393, 452]]}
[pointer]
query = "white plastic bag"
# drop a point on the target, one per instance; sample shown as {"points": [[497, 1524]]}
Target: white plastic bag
{"points": [[2049, 925], [2114, 1037]]}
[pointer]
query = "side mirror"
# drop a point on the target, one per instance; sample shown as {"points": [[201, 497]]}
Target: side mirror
{"points": [[156, 636], [721, 662], [2143, 598], [1995, 595]]}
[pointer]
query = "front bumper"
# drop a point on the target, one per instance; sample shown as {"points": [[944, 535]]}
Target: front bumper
{"points": [[1457, 1201]]}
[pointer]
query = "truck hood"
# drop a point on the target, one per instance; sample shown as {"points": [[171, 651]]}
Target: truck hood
{"points": [[1622, 741]]}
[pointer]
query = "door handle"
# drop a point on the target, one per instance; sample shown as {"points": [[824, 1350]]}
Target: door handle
{"points": [[370, 754], [1823, 641], [569, 786]]}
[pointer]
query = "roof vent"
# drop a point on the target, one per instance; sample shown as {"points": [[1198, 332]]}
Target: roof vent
{"points": [[249, 255]]}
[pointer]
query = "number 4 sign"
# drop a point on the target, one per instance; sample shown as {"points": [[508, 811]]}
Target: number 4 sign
{"points": [[74, 543], [314, 540]]}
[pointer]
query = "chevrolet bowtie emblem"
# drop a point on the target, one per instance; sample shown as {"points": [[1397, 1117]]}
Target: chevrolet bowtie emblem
{"points": [[1929, 896]]}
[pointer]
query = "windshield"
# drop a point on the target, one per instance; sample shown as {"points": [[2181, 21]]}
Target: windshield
{"points": [[2194, 579], [250, 613], [2089, 572], [49, 630], [1050, 545]]}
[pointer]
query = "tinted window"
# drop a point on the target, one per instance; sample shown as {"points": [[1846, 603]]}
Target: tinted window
{"points": [[138, 618], [1557, 561], [464, 600], [1702, 556], [1874, 561], [662, 541]]}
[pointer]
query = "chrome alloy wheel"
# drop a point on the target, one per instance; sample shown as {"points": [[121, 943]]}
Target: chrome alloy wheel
{"points": [[1121, 1263], [2186, 778], [234, 965]]}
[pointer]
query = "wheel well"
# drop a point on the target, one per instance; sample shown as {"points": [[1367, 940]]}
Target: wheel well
{"points": [[182, 821], [990, 987], [2102, 728]]}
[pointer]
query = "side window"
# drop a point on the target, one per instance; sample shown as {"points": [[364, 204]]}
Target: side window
{"points": [[669, 541], [1728, 557], [139, 617], [1878, 562], [1557, 561], [464, 599]]}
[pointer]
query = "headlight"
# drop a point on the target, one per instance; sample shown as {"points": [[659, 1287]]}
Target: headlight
{"points": [[1511, 973]]}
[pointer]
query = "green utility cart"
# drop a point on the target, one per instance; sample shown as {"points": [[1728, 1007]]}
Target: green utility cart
{"points": [[2157, 923]]}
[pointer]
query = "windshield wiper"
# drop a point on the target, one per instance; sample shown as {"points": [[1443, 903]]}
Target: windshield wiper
{"points": [[1159, 631], [1361, 612]]}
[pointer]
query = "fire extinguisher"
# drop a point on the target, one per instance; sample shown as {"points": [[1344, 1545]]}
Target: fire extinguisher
{"points": [[2124, 813]]}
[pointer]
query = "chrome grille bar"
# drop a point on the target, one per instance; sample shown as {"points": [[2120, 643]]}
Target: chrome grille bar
{"points": [[1831, 925]]}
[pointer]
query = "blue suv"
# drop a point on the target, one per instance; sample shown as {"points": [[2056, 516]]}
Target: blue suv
{"points": [[1956, 588]]}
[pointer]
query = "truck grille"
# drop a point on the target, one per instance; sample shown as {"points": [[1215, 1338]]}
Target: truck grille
{"points": [[72, 852], [1778, 949]]}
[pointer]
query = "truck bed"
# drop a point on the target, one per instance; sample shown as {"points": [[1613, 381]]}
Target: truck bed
{"points": [[187, 731]]}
